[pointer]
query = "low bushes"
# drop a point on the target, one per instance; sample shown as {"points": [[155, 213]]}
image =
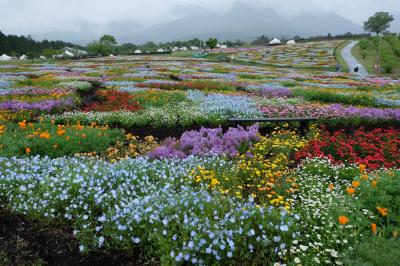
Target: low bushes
{"points": [[45, 139]]}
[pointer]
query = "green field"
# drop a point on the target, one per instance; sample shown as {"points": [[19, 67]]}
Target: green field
{"points": [[368, 58], [338, 56]]}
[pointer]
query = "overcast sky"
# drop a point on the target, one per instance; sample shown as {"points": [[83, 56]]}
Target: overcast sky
{"points": [[36, 16]]}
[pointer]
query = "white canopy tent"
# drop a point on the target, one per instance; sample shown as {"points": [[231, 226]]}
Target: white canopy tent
{"points": [[68, 53], [23, 57], [5, 57], [275, 41], [291, 42], [138, 52], [223, 46], [160, 50], [183, 48], [194, 48], [42, 57]]}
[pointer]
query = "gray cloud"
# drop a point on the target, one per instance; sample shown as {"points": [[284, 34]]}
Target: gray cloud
{"points": [[39, 16]]}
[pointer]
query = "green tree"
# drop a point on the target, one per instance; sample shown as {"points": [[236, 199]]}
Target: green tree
{"points": [[100, 48], [109, 38], [378, 23], [212, 43]]}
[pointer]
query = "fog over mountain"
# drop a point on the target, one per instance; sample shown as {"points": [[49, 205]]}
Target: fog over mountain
{"points": [[156, 20], [242, 21]]}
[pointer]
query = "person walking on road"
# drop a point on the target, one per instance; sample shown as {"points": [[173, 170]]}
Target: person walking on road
{"points": [[356, 68]]}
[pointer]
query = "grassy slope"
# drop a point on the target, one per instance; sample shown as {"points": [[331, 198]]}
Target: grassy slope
{"points": [[338, 56], [370, 59]]}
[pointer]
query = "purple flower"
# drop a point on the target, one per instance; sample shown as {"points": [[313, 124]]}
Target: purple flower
{"points": [[207, 141]]}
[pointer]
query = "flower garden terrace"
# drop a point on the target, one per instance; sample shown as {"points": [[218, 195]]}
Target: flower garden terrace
{"points": [[209, 195]]}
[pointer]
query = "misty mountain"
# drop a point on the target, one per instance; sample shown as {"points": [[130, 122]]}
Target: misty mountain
{"points": [[243, 21]]}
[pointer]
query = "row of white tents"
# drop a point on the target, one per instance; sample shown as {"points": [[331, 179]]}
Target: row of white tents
{"points": [[183, 48], [276, 41], [68, 52], [5, 57]]}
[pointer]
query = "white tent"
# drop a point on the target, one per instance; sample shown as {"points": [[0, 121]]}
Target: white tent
{"points": [[160, 50], [138, 52], [291, 42], [223, 46], [183, 48], [194, 48], [23, 57], [174, 49], [42, 57], [5, 57], [275, 41], [68, 53], [218, 45], [111, 55]]}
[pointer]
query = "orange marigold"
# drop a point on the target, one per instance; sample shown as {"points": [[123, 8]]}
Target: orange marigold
{"points": [[350, 191], [382, 211], [355, 184], [343, 220]]}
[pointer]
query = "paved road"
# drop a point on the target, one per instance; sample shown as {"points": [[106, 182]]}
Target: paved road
{"points": [[351, 60]]}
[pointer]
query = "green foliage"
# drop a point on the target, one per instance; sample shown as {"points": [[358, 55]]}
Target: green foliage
{"points": [[212, 43], [374, 251], [53, 141], [108, 39], [330, 97], [100, 48], [378, 23], [158, 98]]}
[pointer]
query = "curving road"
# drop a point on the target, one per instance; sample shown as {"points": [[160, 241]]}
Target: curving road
{"points": [[352, 61]]}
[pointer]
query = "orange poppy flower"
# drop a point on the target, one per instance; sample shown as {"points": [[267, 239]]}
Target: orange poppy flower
{"points": [[373, 228], [374, 183], [27, 150], [382, 211], [355, 184], [362, 167], [350, 191], [343, 220], [331, 186]]}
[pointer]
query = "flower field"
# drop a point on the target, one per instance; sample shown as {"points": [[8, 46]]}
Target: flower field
{"points": [[262, 194]]}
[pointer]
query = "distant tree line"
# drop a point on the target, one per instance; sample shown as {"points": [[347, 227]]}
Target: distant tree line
{"points": [[14, 45]]}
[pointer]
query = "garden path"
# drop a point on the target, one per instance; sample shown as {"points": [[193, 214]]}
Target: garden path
{"points": [[352, 61]]}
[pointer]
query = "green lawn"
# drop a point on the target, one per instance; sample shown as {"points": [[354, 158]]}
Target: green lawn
{"points": [[368, 58], [338, 56]]}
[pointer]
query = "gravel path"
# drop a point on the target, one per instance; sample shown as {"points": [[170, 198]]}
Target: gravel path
{"points": [[352, 61]]}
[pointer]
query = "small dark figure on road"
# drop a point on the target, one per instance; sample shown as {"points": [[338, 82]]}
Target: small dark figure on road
{"points": [[338, 67], [356, 68]]}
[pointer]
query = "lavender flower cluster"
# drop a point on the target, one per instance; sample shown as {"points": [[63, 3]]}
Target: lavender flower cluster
{"points": [[207, 141], [46, 105]]}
